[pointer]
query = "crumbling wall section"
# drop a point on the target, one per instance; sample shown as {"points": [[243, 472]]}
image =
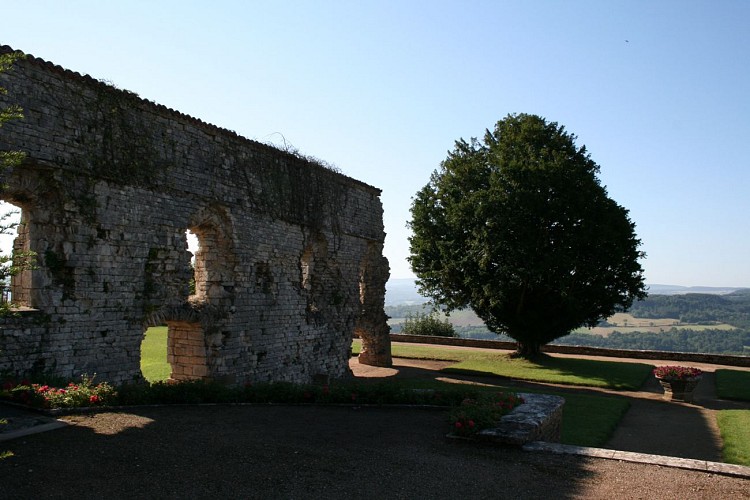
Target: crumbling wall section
{"points": [[109, 187]]}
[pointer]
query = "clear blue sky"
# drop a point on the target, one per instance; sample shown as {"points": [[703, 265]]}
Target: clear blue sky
{"points": [[659, 92]]}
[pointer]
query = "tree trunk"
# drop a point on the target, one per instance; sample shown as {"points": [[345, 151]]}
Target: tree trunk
{"points": [[529, 349]]}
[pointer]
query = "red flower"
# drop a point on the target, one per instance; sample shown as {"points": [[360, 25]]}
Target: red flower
{"points": [[94, 399], [459, 425], [471, 423]]}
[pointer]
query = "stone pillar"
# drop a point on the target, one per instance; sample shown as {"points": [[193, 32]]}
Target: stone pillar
{"points": [[186, 351], [372, 325]]}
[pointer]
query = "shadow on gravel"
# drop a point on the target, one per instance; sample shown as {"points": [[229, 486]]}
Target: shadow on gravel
{"points": [[276, 452]]}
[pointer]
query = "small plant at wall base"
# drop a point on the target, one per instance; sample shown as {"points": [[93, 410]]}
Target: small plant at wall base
{"points": [[73, 395], [483, 412]]}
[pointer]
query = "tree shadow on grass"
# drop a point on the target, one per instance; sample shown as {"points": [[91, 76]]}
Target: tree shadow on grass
{"points": [[566, 371]]}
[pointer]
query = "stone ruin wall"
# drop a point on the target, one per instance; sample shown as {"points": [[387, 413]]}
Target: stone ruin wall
{"points": [[290, 264]]}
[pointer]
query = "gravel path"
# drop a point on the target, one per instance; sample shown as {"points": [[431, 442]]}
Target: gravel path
{"points": [[303, 452]]}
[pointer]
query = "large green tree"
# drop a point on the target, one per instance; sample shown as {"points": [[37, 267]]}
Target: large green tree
{"points": [[519, 228]]}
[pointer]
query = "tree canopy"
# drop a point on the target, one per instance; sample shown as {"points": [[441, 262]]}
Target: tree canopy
{"points": [[519, 228]]}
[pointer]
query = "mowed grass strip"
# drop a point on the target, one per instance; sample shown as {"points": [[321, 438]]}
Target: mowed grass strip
{"points": [[554, 370], [734, 426], [154, 363], [548, 369], [733, 384]]}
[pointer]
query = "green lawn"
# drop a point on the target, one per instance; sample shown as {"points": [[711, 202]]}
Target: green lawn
{"points": [[733, 384], [735, 432], [568, 371], [154, 355]]}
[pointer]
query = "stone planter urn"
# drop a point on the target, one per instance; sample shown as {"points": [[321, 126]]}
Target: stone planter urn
{"points": [[678, 381], [679, 389]]}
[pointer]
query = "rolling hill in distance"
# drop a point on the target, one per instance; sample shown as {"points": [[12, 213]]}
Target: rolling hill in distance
{"points": [[672, 318], [404, 291]]}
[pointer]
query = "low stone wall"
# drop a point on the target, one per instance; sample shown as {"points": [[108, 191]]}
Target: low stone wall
{"points": [[539, 418], [715, 359]]}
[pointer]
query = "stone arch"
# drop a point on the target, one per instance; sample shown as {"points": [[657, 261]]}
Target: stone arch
{"points": [[187, 350], [39, 232], [191, 319], [215, 260]]}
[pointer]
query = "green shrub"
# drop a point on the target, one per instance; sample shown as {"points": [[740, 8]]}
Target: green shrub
{"points": [[427, 324]]}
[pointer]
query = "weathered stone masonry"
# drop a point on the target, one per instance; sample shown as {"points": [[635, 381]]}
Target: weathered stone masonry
{"points": [[290, 262]]}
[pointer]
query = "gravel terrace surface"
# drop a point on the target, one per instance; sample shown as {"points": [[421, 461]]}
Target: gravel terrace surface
{"points": [[313, 452]]}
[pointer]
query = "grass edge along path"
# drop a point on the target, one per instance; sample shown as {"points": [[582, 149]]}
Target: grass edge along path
{"points": [[734, 426]]}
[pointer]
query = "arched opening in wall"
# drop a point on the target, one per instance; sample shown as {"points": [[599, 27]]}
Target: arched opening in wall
{"points": [[17, 258], [213, 258], [186, 345], [173, 349], [180, 346], [193, 246]]}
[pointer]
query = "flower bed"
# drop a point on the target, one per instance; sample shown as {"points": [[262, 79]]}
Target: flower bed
{"points": [[677, 373], [73, 395]]}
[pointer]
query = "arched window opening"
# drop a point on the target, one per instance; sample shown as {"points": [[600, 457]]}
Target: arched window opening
{"points": [[213, 259], [17, 259], [173, 348], [193, 247]]}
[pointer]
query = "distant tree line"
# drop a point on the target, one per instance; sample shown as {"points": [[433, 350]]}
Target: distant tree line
{"points": [[733, 308], [674, 340]]}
